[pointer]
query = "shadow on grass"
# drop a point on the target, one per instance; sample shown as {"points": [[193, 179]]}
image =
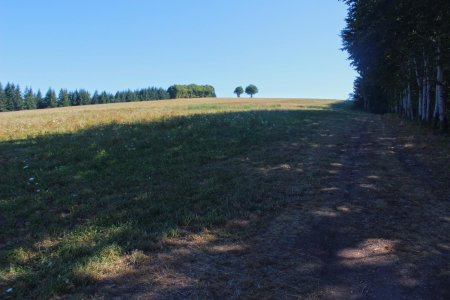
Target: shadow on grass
{"points": [[74, 208], [368, 225], [68, 199]]}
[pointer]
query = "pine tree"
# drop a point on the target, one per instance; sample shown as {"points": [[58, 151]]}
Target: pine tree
{"points": [[63, 98], [104, 98], [50, 99], [84, 97], [9, 91], [2, 99], [74, 98], [18, 99], [29, 99], [40, 100], [95, 98]]}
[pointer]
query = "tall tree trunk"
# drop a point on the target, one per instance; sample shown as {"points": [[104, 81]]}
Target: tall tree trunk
{"points": [[402, 105], [409, 102], [440, 99], [426, 92], [435, 113], [428, 100], [405, 104], [419, 79]]}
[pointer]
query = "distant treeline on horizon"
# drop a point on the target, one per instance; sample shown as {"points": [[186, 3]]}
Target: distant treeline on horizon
{"points": [[12, 98]]}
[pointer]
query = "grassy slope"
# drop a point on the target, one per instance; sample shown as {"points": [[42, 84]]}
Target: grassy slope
{"points": [[88, 192]]}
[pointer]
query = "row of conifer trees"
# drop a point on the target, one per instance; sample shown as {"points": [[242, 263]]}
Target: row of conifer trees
{"points": [[12, 98], [401, 50]]}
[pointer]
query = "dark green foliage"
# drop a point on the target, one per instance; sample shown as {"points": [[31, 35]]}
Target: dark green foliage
{"points": [[95, 98], [84, 97], [105, 98], [63, 98], [251, 90], [29, 99], [39, 100], [137, 95], [18, 99], [2, 99], [50, 100], [191, 91], [398, 48], [238, 91], [9, 94], [74, 98], [13, 97]]}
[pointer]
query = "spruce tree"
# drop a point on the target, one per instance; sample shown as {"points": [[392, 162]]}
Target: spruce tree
{"points": [[104, 98], [84, 97], [95, 98], [29, 99], [18, 99], [74, 98], [40, 100], [10, 95], [50, 99], [2, 98], [63, 98]]}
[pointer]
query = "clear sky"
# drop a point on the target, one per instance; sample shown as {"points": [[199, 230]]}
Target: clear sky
{"points": [[288, 48]]}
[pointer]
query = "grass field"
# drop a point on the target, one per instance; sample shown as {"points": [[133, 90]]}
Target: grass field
{"points": [[89, 192], [221, 198]]}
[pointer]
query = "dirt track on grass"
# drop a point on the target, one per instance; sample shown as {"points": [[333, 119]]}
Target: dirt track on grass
{"points": [[377, 228]]}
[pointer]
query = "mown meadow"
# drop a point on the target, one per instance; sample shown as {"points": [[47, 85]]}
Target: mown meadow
{"points": [[89, 192]]}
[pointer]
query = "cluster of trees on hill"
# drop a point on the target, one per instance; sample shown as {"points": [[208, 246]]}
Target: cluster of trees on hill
{"points": [[12, 98], [191, 91], [401, 50], [249, 90]]}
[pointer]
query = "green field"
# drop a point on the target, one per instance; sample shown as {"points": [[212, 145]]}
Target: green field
{"points": [[87, 192], [219, 198]]}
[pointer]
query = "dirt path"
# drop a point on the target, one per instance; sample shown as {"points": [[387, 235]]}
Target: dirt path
{"points": [[378, 228]]}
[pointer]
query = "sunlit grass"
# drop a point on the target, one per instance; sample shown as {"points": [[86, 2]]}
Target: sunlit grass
{"points": [[26, 124]]}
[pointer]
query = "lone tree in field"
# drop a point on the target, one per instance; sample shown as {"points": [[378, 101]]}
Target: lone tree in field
{"points": [[238, 91], [251, 90]]}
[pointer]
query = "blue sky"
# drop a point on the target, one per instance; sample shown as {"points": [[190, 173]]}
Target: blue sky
{"points": [[288, 48]]}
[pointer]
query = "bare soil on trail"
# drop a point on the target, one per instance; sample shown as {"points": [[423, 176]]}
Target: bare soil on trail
{"points": [[377, 227]]}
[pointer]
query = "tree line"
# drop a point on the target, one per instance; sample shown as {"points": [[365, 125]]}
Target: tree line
{"points": [[12, 98], [401, 50], [191, 91]]}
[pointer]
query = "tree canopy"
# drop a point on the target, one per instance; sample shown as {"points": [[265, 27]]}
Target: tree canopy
{"points": [[238, 91], [401, 50], [191, 91], [251, 90], [11, 97]]}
